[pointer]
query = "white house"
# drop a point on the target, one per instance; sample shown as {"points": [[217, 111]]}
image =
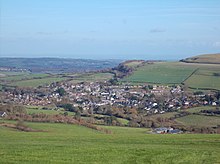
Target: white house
{"points": [[2, 114]]}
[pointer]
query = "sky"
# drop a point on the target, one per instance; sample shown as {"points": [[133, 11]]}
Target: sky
{"points": [[109, 29]]}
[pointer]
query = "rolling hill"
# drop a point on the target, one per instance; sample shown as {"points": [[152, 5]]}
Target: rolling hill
{"points": [[204, 59], [200, 72]]}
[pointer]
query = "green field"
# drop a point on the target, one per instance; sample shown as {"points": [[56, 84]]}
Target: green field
{"points": [[11, 73], [195, 76], [199, 120], [164, 115], [162, 73], [23, 77], [198, 109], [91, 77], [133, 64], [48, 110], [28, 79], [204, 78], [206, 58], [37, 82], [63, 143]]}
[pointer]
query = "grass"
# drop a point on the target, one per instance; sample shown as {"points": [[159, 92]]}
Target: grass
{"points": [[206, 58], [133, 64], [37, 109], [205, 79], [49, 111], [164, 115], [194, 75], [23, 77], [92, 77], [163, 73], [29, 80], [63, 143], [123, 121], [199, 120], [11, 73], [198, 109], [37, 82]]}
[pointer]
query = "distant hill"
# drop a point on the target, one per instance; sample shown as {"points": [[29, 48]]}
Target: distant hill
{"points": [[205, 59], [56, 65]]}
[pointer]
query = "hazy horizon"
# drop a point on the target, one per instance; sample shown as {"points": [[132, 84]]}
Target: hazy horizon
{"points": [[94, 58], [126, 29]]}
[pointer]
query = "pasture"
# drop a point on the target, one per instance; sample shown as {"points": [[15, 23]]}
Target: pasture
{"points": [[193, 75], [28, 79], [160, 73], [37, 82], [206, 58], [63, 143], [199, 120], [199, 109], [91, 77], [45, 110], [23, 77], [204, 78], [133, 64]]}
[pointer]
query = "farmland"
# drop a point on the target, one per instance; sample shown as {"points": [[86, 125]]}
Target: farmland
{"points": [[161, 73], [206, 58], [45, 110], [63, 143], [37, 82], [205, 78], [199, 120], [91, 77], [194, 75], [28, 79]]}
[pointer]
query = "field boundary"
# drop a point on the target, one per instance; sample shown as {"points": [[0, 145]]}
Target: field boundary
{"points": [[204, 88], [190, 75]]}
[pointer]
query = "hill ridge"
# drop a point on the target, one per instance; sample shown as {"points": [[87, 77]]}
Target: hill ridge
{"points": [[203, 59]]}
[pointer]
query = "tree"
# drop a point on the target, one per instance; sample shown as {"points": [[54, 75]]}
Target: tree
{"points": [[61, 91], [150, 86], [113, 81], [68, 107], [77, 115]]}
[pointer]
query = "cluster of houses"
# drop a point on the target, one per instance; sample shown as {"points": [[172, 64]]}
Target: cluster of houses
{"points": [[167, 130], [11, 69], [157, 99]]}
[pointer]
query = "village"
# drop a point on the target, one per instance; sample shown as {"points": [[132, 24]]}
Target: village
{"points": [[151, 99]]}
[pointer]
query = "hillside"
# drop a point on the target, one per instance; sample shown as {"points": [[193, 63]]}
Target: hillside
{"points": [[64, 143], [204, 59], [194, 75]]}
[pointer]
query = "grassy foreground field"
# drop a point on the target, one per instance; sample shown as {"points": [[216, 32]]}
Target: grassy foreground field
{"points": [[61, 143]]}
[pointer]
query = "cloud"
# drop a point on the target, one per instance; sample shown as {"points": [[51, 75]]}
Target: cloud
{"points": [[157, 30]]}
